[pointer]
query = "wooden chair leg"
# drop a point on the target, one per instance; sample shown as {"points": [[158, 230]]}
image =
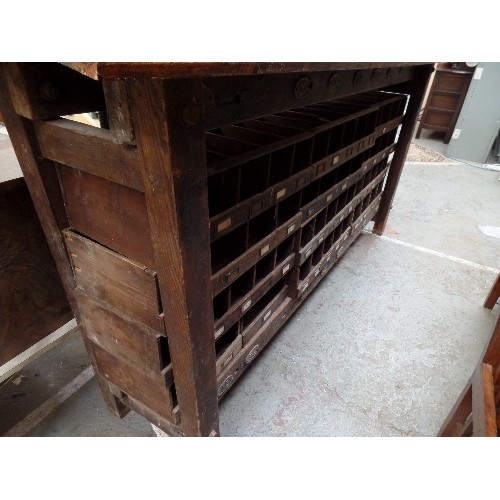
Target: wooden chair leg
{"points": [[493, 294], [483, 402]]}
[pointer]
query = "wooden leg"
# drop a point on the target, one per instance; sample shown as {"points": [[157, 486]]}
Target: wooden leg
{"points": [[418, 87], [493, 294], [483, 402], [168, 124], [459, 414], [41, 178]]}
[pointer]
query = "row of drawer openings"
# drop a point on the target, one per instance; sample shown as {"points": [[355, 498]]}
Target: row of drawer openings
{"points": [[317, 223], [248, 280], [233, 244], [234, 140], [256, 175], [229, 336], [323, 249]]}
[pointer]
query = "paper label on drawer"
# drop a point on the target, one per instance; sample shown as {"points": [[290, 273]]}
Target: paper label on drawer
{"points": [[264, 250], [246, 305], [224, 224], [286, 268], [329, 198], [321, 238], [308, 252], [335, 160], [266, 316], [220, 331], [328, 256], [280, 193], [344, 186], [316, 272], [290, 229]]}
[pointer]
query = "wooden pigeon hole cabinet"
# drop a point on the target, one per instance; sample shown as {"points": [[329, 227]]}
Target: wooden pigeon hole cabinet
{"points": [[211, 202]]}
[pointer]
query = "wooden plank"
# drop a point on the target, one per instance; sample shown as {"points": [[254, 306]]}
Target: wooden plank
{"points": [[118, 110], [241, 98], [114, 70], [169, 130], [458, 414], [123, 284], [133, 382], [50, 90], [493, 294], [89, 149], [28, 276], [36, 350], [107, 212], [43, 184], [417, 91], [483, 402], [128, 340]]}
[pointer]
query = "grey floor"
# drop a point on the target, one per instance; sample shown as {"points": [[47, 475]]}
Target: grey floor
{"points": [[382, 347]]}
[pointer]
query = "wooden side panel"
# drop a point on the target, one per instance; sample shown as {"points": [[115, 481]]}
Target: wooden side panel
{"points": [[90, 149], [493, 294], [119, 114], [128, 287], [134, 383], [131, 342], [169, 132], [33, 303], [114, 215]]}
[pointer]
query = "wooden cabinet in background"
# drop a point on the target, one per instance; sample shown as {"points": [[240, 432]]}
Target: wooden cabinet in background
{"points": [[445, 99]]}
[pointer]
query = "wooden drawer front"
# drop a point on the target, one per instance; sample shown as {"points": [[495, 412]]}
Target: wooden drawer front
{"points": [[451, 82], [228, 354], [157, 396], [131, 342], [438, 118], [443, 101], [119, 282], [107, 212]]}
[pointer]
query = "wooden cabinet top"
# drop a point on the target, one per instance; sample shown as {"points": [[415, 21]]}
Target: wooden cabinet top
{"points": [[117, 70]]}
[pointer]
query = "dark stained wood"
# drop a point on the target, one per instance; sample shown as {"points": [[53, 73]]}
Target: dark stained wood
{"points": [[127, 339], [176, 197], [118, 111], [133, 382], [483, 402], [89, 149], [50, 90], [169, 70], [42, 182], [123, 284], [28, 276], [493, 294], [237, 99], [104, 211], [418, 87]]}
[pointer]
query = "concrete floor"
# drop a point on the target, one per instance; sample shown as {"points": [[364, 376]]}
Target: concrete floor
{"points": [[382, 347]]}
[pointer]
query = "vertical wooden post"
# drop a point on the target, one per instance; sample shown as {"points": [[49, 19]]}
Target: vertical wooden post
{"points": [[418, 87], [41, 178], [483, 402], [168, 124], [493, 294]]}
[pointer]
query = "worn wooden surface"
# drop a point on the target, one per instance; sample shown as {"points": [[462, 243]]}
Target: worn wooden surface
{"points": [[176, 197], [113, 70], [208, 212], [33, 303], [483, 402], [89, 149], [493, 294]]}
